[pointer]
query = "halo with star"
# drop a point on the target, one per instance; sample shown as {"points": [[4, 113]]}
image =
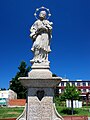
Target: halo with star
{"points": [[40, 9]]}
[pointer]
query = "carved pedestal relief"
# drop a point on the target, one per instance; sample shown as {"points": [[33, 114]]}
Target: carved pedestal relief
{"points": [[40, 94], [40, 110]]}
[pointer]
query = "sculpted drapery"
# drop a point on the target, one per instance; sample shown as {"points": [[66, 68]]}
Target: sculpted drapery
{"points": [[41, 35]]}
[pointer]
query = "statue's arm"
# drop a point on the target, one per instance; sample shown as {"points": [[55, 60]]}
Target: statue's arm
{"points": [[49, 26], [33, 31]]}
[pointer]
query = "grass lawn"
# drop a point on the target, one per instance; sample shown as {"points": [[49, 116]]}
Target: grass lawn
{"points": [[84, 111], [15, 112], [10, 112]]}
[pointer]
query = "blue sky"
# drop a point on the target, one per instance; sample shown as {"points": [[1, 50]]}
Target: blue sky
{"points": [[70, 44]]}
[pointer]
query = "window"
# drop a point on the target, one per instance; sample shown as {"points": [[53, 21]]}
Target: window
{"points": [[84, 90], [62, 83], [2, 95], [88, 90], [62, 90], [78, 83], [73, 83], [88, 83], [84, 83]]}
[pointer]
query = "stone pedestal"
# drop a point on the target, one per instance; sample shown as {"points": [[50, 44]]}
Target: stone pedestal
{"points": [[40, 85]]}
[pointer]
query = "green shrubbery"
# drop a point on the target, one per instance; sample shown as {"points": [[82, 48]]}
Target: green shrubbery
{"points": [[77, 111]]}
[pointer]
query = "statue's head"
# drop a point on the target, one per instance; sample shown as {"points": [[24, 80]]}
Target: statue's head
{"points": [[42, 14]]}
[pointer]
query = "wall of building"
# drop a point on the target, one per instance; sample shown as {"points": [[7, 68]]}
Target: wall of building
{"points": [[8, 94], [16, 102], [84, 86]]}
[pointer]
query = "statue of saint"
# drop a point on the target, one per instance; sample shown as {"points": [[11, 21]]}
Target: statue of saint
{"points": [[41, 35]]}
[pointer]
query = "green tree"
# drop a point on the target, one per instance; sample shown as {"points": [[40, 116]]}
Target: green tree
{"points": [[15, 84], [70, 93], [56, 90], [54, 75], [3, 89]]}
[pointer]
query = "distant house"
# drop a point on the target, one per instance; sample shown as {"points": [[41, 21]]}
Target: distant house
{"points": [[6, 95]]}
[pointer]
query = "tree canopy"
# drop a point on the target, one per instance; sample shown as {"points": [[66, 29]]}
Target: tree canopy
{"points": [[15, 84], [2, 89], [70, 93]]}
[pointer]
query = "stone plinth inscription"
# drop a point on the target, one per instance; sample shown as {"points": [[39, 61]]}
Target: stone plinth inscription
{"points": [[40, 110]]}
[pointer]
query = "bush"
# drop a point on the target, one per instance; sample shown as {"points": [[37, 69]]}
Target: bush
{"points": [[68, 111]]}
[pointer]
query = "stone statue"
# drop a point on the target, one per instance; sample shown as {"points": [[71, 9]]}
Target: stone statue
{"points": [[40, 83], [41, 35]]}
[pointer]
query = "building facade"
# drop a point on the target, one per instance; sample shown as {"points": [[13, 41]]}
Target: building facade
{"points": [[82, 85], [6, 95]]}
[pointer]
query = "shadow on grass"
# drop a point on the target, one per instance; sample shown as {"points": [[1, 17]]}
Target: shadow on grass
{"points": [[68, 111]]}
